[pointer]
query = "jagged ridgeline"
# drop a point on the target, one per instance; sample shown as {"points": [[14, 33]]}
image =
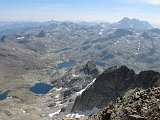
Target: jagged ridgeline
{"points": [[126, 95], [113, 83]]}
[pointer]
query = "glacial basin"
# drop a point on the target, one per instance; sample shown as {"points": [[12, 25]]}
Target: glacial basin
{"points": [[41, 88]]}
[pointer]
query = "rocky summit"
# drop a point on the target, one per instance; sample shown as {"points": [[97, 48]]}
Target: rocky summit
{"points": [[113, 83], [136, 104]]}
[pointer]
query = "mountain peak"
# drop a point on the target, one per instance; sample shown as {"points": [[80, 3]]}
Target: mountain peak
{"points": [[42, 33], [134, 23], [125, 18], [113, 83]]}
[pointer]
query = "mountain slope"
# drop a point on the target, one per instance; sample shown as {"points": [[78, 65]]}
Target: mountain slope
{"points": [[113, 83]]}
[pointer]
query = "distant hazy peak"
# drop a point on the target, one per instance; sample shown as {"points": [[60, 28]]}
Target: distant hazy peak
{"points": [[133, 23]]}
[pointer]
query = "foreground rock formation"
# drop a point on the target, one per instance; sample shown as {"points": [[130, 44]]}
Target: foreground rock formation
{"points": [[136, 104], [112, 84]]}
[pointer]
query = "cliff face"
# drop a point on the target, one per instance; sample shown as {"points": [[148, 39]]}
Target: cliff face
{"points": [[113, 83], [146, 79]]}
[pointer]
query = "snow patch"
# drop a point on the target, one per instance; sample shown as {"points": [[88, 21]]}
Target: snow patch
{"points": [[10, 97], [57, 96], [100, 33], [81, 114], [23, 111], [102, 30], [80, 92], [58, 89], [74, 75], [139, 46], [116, 42], [20, 38], [74, 115], [55, 113], [58, 103], [128, 41], [137, 34]]}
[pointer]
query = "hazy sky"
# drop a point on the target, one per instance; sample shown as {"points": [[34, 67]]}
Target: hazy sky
{"points": [[89, 10]]}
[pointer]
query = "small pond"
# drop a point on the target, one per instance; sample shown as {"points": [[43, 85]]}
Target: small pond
{"points": [[4, 95], [41, 88], [66, 64]]}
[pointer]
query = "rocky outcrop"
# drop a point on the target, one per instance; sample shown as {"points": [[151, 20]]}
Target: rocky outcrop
{"points": [[146, 79], [136, 104], [3, 38], [7, 37], [114, 83], [91, 69], [42, 33], [146, 36], [77, 78]]}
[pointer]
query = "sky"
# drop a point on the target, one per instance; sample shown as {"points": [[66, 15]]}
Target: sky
{"points": [[87, 10]]}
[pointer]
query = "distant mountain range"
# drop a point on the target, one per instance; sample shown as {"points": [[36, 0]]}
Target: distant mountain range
{"points": [[124, 23]]}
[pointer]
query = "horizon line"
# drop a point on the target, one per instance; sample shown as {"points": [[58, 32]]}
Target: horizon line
{"points": [[78, 21]]}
